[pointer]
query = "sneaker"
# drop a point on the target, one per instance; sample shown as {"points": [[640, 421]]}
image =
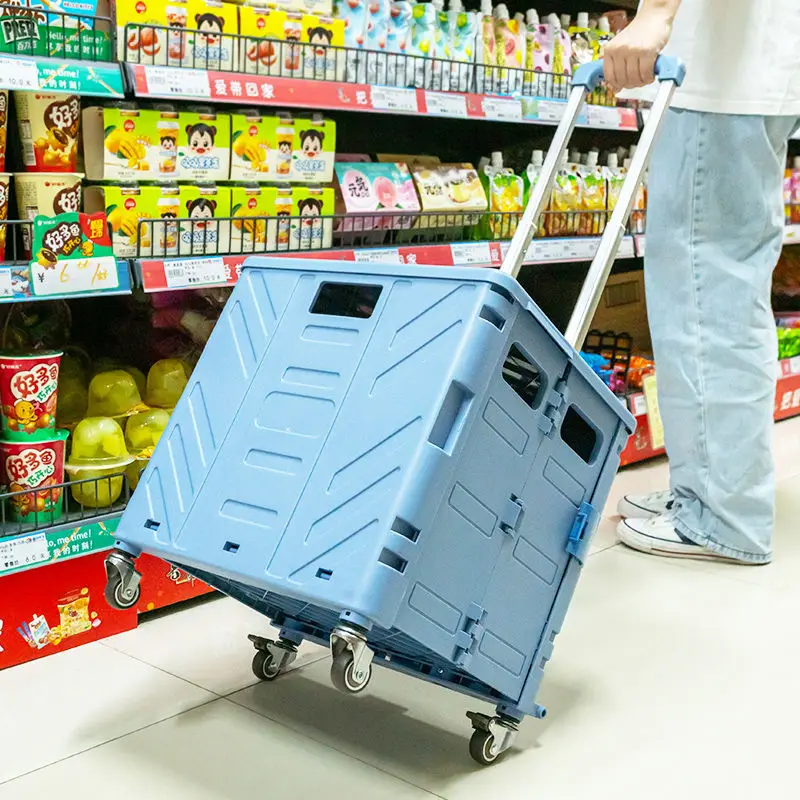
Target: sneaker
{"points": [[645, 506], [657, 536]]}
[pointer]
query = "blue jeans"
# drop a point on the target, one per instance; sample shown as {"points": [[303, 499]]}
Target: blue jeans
{"points": [[714, 233]]}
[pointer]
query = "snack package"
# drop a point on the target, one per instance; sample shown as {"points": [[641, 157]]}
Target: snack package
{"points": [[614, 180], [323, 60], [253, 147], [459, 48], [561, 60], [29, 392], [510, 50], [284, 210], [311, 222], [564, 201], [45, 194], [129, 140], [398, 31], [49, 126], [313, 150], [152, 45], [5, 193], [368, 189], [3, 127], [255, 230], [449, 187], [201, 234], [128, 208], [530, 178], [354, 15], [421, 45], [593, 197], [257, 54], [372, 68], [485, 45], [211, 42], [599, 37], [204, 145], [581, 39]]}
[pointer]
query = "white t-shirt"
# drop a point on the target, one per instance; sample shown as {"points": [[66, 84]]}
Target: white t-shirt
{"points": [[741, 56]]}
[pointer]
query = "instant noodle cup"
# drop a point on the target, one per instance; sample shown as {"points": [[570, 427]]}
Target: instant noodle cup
{"points": [[114, 394], [166, 381], [49, 128], [29, 392], [98, 458], [3, 127], [35, 464], [5, 189], [142, 432]]}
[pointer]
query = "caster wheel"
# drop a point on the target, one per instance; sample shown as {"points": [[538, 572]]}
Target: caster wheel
{"points": [[115, 596], [264, 666], [342, 675], [480, 748]]}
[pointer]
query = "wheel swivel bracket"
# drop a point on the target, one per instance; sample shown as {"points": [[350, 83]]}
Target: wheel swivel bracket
{"points": [[503, 730], [344, 637], [283, 653]]}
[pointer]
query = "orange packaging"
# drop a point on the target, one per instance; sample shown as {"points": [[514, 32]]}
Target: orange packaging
{"points": [[3, 127]]}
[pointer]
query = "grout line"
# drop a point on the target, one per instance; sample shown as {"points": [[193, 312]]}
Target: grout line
{"points": [[328, 746], [109, 741]]}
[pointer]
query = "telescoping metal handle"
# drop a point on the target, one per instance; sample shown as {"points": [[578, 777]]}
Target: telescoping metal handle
{"points": [[670, 73]]}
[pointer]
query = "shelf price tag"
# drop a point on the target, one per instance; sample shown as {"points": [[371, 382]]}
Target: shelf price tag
{"points": [[386, 98], [550, 110], [190, 272], [18, 73], [170, 81], [471, 253], [502, 108], [445, 104], [23, 551], [382, 256], [6, 285]]}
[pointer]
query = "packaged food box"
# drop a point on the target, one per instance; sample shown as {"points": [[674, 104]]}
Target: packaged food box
{"points": [[212, 42], [259, 48], [204, 145], [410, 161], [49, 125], [313, 150], [256, 229], [253, 147], [3, 127], [449, 187], [163, 44], [323, 38], [312, 218], [124, 144], [130, 209], [199, 232], [366, 190]]}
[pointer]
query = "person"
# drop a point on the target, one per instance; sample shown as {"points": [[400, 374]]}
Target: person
{"points": [[714, 233]]}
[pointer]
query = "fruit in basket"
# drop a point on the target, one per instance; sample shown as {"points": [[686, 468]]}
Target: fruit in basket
{"points": [[114, 394]]}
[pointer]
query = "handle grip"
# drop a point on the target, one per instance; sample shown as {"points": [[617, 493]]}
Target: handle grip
{"points": [[668, 68]]}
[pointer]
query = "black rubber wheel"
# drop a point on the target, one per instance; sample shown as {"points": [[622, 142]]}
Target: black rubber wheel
{"points": [[114, 596], [264, 666], [480, 748], [342, 674]]}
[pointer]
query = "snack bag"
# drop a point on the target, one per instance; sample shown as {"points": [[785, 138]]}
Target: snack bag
{"points": [[449, 187], [564, 201], [459, 48], [201, 234], [397, 32], [211, 41], [510, 51], [354, 15], [485, 45], [530, 178], [313, 150], [311, 223], [592, 186], [599, 37], [253, 147], [421, 45], [323, 58], [260, 46], [204, 145]]}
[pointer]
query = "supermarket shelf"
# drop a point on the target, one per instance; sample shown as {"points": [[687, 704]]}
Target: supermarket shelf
{"points": [[160, 274], [91, 78], [157, 82]]}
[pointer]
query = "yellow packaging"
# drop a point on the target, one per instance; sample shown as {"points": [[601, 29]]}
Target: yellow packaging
{"points": [[200, 233], [211, 42], [284, 138], [311, 223], [313, 150], [254, 145], [283, 212], [592, 185], [258, 55], [122, 144], [321, 36], [73, 612], [254, 232], [290, 56], [128, 207], [144, 45], [449, 187], [565, 200]]}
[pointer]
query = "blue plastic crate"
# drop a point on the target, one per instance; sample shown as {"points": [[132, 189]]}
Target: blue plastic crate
{"points": [[414, 449]]}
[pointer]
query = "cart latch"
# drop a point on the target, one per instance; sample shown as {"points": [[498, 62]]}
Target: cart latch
{"points": [[467, 639], [582, 529], [553, 411], [512, 515]]}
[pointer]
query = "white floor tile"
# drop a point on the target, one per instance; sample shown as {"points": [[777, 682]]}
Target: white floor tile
{"points": [[60, 705], [206, 644], [218, 752], [665, 683]]}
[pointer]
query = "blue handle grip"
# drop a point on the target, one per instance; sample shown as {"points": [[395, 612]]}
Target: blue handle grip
{"points": [[668, 68]]}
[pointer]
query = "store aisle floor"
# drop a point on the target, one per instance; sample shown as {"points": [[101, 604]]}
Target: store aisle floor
{"points": [[671, 679]]}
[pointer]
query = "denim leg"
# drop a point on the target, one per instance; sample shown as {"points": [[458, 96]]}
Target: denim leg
{"points": [[714, 233]]}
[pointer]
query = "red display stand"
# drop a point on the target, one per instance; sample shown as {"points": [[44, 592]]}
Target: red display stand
{"points": [[163, 585]]}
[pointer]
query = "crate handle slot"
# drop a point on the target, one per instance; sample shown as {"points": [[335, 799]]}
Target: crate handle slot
{"points": [[231, 547], [451, 417], [346, 300]]}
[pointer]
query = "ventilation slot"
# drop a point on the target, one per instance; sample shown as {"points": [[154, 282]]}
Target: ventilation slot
{"points": [[152, 525], [504, 293], [324, 574], [392, 560], [524, 377], [579, 435], [405, 529], [346, 300], [231, 547], [490, 315], [451, 418]]}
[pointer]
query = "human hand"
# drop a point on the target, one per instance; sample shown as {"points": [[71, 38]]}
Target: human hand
{"points": [[630, 57]]}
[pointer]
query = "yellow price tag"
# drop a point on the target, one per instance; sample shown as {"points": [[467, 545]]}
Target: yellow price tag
{"points": [[653, 412]]}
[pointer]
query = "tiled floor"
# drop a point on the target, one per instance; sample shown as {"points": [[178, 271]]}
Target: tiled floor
{"points": [[670, 680]]}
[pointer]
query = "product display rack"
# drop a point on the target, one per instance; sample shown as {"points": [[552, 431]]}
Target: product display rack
{"points": [[48, 555]]}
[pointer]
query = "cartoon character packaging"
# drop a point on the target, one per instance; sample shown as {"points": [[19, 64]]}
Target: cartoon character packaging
{"points": [[211, 42], [204, 145], [200, 233], [311, 221], [257, 54], [314, 150]]}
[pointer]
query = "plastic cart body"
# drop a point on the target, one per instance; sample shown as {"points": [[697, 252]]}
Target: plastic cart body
{"points": [[404, 461]]}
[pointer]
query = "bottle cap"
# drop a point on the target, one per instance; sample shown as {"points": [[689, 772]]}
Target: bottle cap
{"points": [[613, 161], [537, 158], [565, 21], [531, 17], [583, 19], [497, 159], [603, 25], [501, 12], [591, 159]]}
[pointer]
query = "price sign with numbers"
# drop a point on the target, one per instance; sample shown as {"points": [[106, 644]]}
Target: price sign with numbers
{"points": [[471, 253], [550, 110], [171, 82], [23, 551], [387, 256], [446, 104], [385, 98], [502, 108], [189, 272], [18, 73]]}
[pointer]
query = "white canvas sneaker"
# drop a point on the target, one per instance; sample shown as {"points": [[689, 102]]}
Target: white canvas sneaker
{"points": [[657, 536], [645, 506]]}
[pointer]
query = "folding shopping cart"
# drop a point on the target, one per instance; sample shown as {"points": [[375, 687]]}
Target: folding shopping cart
{"points": [[403, 462]]}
